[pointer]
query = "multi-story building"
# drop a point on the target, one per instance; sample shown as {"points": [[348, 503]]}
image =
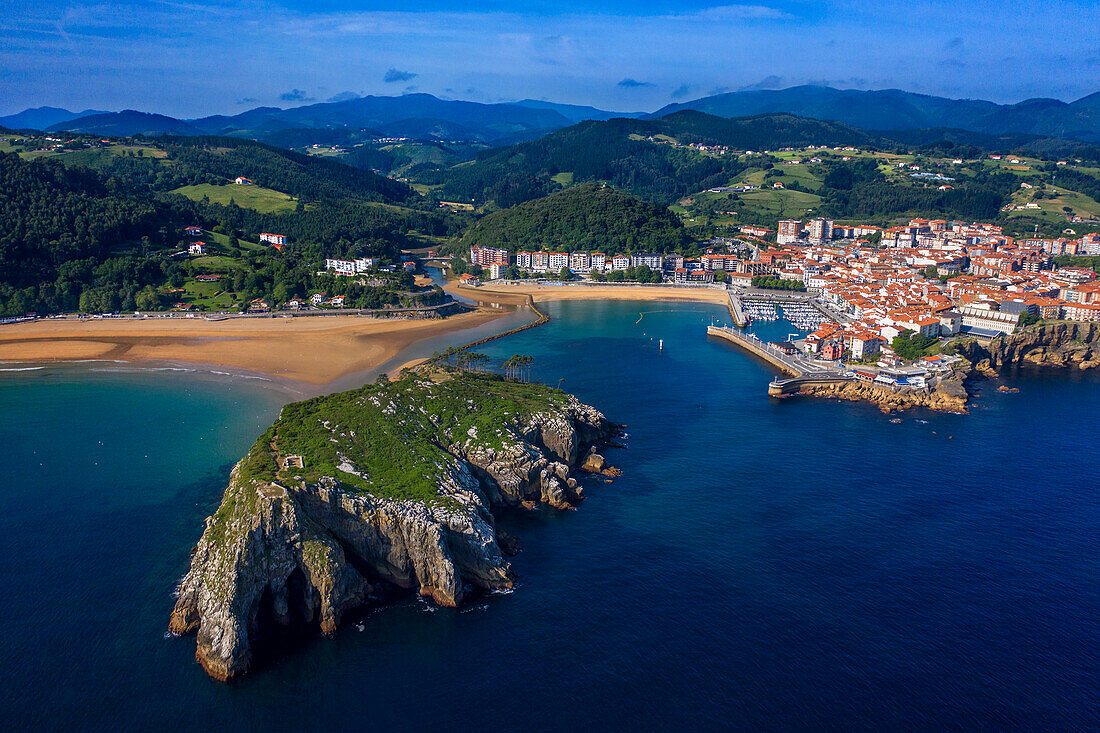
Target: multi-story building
{"points": [[821, 230], [986, 321], [523, 260], [540, 261], [620, 262], [789, 231], [1082, 312], [278, 240], [496, 270], [557, 261], [653, 262], [486, 256], [598, 261], [351, 267], [580, 262]]}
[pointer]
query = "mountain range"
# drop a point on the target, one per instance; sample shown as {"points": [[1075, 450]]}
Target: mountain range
{"points": [[893, 109], [426, 116]]}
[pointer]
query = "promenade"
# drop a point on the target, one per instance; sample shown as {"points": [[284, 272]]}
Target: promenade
{"points": [[799, 369]]}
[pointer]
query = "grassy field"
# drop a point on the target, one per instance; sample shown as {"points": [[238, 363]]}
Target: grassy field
{"points": [[257, 198], [565, 180]]}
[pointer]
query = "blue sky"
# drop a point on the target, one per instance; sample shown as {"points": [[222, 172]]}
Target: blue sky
{"points": [[191, 58]]}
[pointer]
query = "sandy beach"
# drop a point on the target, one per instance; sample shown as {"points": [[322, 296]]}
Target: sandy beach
{"points": [[311, 350]]}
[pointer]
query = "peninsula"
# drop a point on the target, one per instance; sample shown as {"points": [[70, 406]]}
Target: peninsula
{"points": [[353, 496]]}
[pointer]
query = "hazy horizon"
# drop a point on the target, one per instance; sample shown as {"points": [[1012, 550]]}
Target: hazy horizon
{"points": [[212, 57]]}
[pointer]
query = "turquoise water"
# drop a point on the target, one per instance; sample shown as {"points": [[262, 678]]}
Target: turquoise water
{"points": [[761, 564]]}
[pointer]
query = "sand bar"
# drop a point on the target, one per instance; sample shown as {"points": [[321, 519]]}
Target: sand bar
{"points": [[311, 350]]}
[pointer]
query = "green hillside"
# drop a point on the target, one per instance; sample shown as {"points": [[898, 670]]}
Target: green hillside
{"points": [[645, 157], [586, 217], [257, 198]]}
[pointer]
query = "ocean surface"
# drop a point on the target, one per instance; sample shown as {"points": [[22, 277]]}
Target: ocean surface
{"points": [[760, 565]]}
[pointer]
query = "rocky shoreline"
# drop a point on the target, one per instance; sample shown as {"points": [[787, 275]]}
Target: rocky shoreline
{"points": [[1068, 345], [947, 393], [351, 496]]}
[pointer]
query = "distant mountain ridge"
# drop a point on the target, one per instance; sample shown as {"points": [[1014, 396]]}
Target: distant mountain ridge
{"points": [[39, 118], [126, 123], [894, 109], [427, 116]]}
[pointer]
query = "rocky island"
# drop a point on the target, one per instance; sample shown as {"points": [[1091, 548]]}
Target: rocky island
{"points": [[392, 486]]}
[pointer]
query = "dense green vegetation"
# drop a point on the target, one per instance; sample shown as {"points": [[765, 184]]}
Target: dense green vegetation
{"points": [[617, 151], [911, 346], [641, 274], [97, 228], [393, 436], [589, 217], [860, 190], [57, 225], [777, 283]]}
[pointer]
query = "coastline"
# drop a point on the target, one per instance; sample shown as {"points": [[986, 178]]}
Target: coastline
{"points": [[541, 293], [306, 352]]}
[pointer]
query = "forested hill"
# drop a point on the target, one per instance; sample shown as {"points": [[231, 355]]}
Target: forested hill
{"points": [[92, 225], [56, 224], [620, 152], [589, 217], [169, 163]]}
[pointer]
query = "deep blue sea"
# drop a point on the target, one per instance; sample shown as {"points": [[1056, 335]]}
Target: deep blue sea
{"points": [[760, 565]]}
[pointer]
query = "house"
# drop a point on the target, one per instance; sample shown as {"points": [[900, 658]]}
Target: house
{"points": [[208, 278], [276, 240], [865, 345], [337, 301], [259, 305], [196, 248], [468, 280], [242, 181], [193, 231], [832, 350], [294, 304], [317, 298]]}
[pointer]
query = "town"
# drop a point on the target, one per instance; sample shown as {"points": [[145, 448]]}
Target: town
{"points": [[870, 287]]}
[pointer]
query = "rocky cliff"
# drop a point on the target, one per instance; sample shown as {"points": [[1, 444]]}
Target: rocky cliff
{"points": [[946, 393], [387, 486], [1074, 345]]}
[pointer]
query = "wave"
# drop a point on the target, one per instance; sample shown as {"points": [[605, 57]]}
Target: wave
{"points": [[22, 369]]}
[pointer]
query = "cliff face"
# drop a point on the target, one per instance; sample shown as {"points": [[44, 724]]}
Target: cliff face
{"points": [[388, 485], [1056, 344], [946, 394]]}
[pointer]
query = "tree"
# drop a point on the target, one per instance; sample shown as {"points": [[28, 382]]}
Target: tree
{"points": [[1028, 319]]}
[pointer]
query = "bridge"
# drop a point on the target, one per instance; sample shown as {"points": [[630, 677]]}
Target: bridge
{"points": [[799, 370]]}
